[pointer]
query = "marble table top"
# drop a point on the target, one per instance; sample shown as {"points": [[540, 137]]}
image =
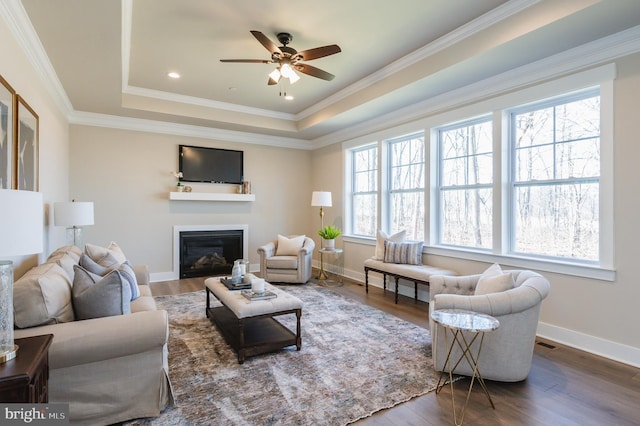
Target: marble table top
{"points": [[459, 319]]}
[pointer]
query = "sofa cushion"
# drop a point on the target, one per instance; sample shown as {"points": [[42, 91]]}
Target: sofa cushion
{"points": [[493, 280], [66, 261], [289, 246], [110, 257], [125, 268], [406, 253], [42, 296], [70, 250], [95, 296], [381, 237], [282, 262]]}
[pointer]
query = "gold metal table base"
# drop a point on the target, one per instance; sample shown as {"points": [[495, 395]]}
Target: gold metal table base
{"points": [[460, 339]]}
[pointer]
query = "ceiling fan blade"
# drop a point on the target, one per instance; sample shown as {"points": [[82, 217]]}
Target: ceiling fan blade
{"points": [[319, 52], [314, 72], [264, 40], [250, 61]]}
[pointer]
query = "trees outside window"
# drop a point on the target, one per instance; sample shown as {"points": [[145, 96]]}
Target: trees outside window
{"points": [[465, 213], [407, 185], [364, 192], [556, 177]]}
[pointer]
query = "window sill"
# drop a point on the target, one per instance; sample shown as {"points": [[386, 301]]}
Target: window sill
{"points": [[565, 268]]}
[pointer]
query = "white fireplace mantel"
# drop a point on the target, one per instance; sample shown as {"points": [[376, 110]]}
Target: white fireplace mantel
{"points": [[210, 196]]}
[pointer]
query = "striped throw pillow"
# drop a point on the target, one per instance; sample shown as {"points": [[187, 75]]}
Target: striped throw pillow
{"points": [[407, 253]]}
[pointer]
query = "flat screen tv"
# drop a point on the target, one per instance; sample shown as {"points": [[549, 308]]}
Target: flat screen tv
{"points": [[213, 165]]}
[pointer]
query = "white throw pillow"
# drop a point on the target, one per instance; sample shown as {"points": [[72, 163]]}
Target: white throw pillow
{"points": [[382, 236], [493, 280], [109, 257], [289, 246]]}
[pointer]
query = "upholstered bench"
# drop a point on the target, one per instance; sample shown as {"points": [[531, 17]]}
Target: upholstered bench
{"points": [[249, 326], [419, 274]]}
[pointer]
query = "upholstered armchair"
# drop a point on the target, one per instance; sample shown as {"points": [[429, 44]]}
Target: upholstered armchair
{"points": [[290, 264], [506, 352]]}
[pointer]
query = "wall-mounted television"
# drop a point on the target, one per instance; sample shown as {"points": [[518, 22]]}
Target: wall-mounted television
{"points": [[213, 165]]}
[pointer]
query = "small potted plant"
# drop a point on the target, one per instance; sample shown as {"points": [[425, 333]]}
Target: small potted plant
{"points": [[329, 234], [179, 186]]}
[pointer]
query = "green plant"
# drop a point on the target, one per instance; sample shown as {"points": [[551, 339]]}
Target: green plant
{"points": [[329, 232]]}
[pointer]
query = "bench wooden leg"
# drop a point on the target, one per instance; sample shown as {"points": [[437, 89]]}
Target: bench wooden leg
{"points": [[396, 278], [366, 280], [415, 286]]}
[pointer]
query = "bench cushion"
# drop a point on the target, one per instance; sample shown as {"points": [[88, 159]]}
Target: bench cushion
{"points": [[416, 272]]}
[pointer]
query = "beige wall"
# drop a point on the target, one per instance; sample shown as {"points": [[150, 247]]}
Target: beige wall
{"points": [[16, 69], [127, 174], [598, 316]]}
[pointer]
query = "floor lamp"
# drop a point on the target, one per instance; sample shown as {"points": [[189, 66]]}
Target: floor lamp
{"points": [[21, 227], [74, 215], [321, 199]]}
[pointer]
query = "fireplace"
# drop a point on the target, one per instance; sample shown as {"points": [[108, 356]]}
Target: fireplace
{"points": [[211, 252]]}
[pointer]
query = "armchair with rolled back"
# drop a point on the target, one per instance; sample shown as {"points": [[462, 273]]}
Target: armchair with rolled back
{"points": [[508, 351], [287, 259]]}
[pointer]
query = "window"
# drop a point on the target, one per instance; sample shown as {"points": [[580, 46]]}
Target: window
{"points": [[465, 184], [364, 190], [406, 185], [556, 177]]}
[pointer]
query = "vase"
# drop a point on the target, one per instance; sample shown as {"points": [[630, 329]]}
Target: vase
{"points": [[329, 244]]}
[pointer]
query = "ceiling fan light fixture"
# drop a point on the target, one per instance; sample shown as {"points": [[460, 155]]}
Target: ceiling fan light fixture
{"points": [[293, 77], [275, 75]]}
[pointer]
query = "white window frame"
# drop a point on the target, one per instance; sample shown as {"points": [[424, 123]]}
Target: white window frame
{"points": [[352, 193]]}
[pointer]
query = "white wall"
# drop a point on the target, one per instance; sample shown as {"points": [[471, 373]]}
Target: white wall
{"points": [[16, 69], [127, 174], [597, 316]]}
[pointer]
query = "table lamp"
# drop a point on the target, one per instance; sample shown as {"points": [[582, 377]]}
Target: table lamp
{"points": [[21, 227], [322, 199], [74, 215]]}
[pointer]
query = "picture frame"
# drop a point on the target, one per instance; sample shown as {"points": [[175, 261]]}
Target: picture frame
{"points": [[7, 114], [26, 161]]}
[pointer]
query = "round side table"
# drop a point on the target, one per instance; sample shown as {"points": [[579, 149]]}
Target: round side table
{"points": [[455, 322], [323, 278]]}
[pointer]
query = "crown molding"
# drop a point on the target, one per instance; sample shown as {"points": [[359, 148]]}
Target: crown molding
{"points": [[168, 128], [20, 26], [471, 28], [573, 60]]}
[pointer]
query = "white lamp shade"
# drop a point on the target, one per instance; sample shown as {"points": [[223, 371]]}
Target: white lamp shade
{"points": [[73, 213], [21, 222], [321, 198]]}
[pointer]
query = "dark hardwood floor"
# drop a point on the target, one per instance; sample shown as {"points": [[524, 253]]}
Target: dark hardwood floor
{"points": [[565, 387]]}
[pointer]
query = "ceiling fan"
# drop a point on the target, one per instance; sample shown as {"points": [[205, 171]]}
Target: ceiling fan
{"points": [[290, 60]]}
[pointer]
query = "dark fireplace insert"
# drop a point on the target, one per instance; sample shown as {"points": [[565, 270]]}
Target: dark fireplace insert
{"points": [[204, 253]]}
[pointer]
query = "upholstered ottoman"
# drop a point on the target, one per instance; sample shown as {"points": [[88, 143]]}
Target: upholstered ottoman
{"points": [[250, 327]]}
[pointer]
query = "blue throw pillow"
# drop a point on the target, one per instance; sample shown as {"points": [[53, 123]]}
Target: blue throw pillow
{"points": [[406, 253]]}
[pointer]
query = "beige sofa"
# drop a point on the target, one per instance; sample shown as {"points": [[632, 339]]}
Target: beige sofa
{"points": [[108, 369]]}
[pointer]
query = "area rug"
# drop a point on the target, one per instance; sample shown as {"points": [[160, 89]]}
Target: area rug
{"points": [[355, 360]]}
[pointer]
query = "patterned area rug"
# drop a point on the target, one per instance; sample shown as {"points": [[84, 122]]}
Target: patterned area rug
{"points": [[355, 360]]}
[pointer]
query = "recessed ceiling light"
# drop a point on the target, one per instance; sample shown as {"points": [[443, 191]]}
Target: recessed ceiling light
{"points": [[173, 74]]}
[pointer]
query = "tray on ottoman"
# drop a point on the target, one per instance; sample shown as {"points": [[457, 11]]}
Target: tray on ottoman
{"points": [[249, 326]]}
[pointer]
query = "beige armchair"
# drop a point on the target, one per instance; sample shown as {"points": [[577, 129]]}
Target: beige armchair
{"points": [[506, 352], [288, 268]]}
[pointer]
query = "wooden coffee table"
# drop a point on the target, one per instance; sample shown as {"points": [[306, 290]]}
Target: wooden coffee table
{"points": [[250, 327]]}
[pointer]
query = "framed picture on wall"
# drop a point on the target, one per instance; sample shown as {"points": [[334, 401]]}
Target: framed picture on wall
{"points": [[26, 162], [7, 105]]}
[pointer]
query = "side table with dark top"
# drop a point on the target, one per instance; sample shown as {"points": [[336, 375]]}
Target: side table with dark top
{"points": [[26, 377]]}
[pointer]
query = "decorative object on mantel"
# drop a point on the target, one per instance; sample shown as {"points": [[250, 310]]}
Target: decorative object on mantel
{"points": [[187, 188], [246, 187], [74, 215], [21, 227], [179, 186]]}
